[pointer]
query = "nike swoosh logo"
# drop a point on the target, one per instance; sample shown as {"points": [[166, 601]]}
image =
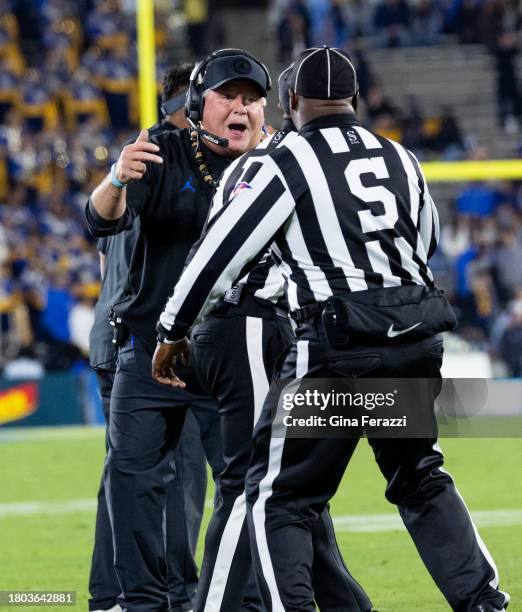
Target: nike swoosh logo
{"points": [[392, 333]]}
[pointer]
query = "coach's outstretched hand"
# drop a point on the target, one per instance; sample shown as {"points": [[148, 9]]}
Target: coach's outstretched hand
{"points": [[164, 361], [131, 163]]}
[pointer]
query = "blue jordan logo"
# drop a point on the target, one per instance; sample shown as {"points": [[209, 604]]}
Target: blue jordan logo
{"points": [[189, 185]]}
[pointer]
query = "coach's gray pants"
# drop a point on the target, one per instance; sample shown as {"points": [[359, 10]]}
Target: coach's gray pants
{"points": [[153, 551]]}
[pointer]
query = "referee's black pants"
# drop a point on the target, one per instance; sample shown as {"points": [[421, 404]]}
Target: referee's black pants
{"points": [[290, 481], [146, 420], [234, 355]]}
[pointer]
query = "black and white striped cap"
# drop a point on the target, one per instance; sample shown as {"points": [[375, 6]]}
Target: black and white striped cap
{"points": [[324, 73], [283, 83]]}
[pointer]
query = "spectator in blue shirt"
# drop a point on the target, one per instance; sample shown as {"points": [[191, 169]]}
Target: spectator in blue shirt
{"points": [[392, 21]]}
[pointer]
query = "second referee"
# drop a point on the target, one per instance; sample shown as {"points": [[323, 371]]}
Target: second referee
{"points": [[351, 217]]}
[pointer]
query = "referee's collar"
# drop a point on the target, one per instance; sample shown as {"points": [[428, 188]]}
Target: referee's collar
{"points": [[329, 121]]}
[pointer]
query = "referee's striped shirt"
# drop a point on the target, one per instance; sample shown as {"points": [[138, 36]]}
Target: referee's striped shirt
{"points": [[341, 208], [265, 280]]}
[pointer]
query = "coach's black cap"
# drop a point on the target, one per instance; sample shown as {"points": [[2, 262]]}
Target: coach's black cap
{"points": [[231, 64], [324, 73]]}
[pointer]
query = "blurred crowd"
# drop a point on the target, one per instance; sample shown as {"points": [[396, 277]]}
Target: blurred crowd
{"points": [[496, 24], [68, 102], [391, 23], [479, 265], [434, 136]]}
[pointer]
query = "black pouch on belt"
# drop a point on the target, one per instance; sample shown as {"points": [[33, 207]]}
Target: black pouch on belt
{"points": [[121, 332], [393, 315]]}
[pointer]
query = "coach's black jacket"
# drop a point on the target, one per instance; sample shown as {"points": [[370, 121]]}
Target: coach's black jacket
{"points": [[172, 201], [118, 252]]}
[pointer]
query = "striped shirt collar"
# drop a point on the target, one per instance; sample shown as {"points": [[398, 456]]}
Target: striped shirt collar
{"points": [[288, 126], [329, 121]]}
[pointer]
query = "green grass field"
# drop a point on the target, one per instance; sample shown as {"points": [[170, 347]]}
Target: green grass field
{"points": [[47, 544]]}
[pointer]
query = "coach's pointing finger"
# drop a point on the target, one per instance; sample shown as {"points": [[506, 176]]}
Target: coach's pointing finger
{"points": [[143, 136], [142, 150], [131, 163]]}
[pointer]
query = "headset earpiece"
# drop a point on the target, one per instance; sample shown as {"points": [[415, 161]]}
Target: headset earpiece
{"points": [[193, 106]]}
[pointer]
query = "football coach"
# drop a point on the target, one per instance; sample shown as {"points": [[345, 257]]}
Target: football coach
{"points": [[351, 217], [168, 182], [186, 492]]}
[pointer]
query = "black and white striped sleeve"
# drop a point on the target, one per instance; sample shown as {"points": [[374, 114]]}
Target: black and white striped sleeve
{"points": [[219, 200], [231, 177], [428, 224], [237, 237]]}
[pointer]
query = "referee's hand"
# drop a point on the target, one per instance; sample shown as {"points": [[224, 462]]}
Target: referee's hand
{"points": [[131, 163], [164, 361]]}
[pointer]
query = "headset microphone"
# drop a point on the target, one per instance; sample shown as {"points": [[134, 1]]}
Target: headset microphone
{"points": [[221, 142], [217, 140]]}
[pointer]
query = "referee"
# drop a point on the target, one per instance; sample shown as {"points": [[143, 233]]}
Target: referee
{"points": [[350, 214], [186, 492], [234, 353]]}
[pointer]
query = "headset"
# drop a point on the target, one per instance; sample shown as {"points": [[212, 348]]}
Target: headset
{"points": [[244, 65]]}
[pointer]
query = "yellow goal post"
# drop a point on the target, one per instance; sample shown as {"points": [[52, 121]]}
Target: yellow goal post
{"points": [[486, 170], [146, 62]]}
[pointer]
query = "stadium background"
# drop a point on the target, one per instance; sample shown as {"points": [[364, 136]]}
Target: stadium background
{"points": [[441, 76]]}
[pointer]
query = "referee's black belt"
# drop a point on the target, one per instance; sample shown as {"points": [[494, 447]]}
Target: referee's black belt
{"points": [[391, 315], [247, 305], [307, 312]]}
